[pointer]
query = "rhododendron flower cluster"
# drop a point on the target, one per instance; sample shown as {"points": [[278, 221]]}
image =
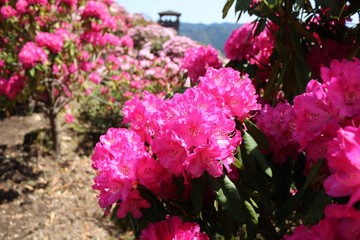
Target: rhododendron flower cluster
{"points": [[173, 228], [343, 160], [31, 54], [278, 125], [243, 44], [116, 158], [198, 59], [327, 106], [232, 91], [52, 41], [340, 222]]}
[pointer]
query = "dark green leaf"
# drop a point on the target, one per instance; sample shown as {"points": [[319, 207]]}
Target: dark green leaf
{"points": [[197, 193], [227, 196], [316, 210], [226, 8], [252, 148], [257, 134], [251, 220], [242, 5]]}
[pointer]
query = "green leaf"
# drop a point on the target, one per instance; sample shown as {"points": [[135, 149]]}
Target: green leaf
{"points": [[197, 193], [260, 27], [252, 148], [251, 220], [226, 8], [242, 5], [294, 201], [316, 210], [32, 72], [257, 134], [228, 196]]}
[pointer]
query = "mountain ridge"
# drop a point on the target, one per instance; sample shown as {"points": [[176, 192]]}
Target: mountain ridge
{"points": [[214, 34]]}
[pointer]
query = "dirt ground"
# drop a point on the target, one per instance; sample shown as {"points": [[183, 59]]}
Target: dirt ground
{"points": [[44, 199]]}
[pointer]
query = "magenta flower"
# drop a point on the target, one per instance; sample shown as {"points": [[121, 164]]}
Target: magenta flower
{"points": [[236, 93], [340, 222], [344, 165], [31, 54], [342, 82], [243, 44], [198, 59], [173, 228], [7, 11], [51, 41], [116, 158], [132, 204], [278, 125]]}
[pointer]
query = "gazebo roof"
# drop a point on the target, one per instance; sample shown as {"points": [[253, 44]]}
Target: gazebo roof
{"points": [[169, 13]]}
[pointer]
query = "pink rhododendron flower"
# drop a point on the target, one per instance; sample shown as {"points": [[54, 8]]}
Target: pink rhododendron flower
{"points": [[69, 118], [232, 91], [12, 86], [173, 228], [94, 9], [344, 165], [198, 59], [242, 44], [7, 11], [31, 54], [340, 222], [50, 40], [278, 125], [313, 113], [324, 53], [95, 77], [342, 82], [21, 6], [132, 204], [116, 158]]}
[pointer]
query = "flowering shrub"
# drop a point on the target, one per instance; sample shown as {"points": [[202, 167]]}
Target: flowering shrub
{"points": [[265, 147]]}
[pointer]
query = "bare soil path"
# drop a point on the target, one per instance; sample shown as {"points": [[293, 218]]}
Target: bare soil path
{"points": [[44, 199]]}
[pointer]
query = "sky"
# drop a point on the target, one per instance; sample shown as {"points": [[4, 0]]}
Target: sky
{"points": [[192, 11]]}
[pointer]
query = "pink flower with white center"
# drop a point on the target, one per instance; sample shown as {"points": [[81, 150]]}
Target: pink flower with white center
{"points": [[132, 204], [173, 228], [278, 125], [116, 159], [198, 59], [344, 164], [7, 11], [30, 55], [49, 40], [231, 91]]}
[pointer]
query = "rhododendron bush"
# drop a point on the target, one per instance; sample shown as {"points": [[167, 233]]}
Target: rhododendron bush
{"points": [[264, 147]]}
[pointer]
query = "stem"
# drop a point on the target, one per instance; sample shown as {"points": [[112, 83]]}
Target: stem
{"points": [[55, 136]]}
